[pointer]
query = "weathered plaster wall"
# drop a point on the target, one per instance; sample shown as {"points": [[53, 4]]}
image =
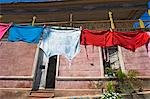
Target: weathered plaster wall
{"points": [[16, 59], [137, 60], [82, 66]]}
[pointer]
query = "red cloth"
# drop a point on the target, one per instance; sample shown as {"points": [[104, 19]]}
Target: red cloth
{"points": [[128, 40], [96, 38], [3, 29], [131, 40]]}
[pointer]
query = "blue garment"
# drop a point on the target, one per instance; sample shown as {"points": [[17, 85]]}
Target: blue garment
{"points": [[61, 42], [145, 16], [148, 4], [30, 34]]}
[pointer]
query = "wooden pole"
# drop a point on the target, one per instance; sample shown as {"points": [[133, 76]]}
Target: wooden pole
{"points": [[111, 21], [141, 23], [149, 12], [71, 19], [1, 18], [33, 20]]}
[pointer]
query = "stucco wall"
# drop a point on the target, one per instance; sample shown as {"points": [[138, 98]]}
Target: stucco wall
{"points": [[16, 59], [137, 60], [15, 84], [81, 67]]}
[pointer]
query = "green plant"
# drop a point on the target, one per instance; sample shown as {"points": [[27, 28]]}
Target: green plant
{"points": [[120, 75], [123, 84], [110, 87], [109, 71], [132, 77], [111, 94], [126, 83]]}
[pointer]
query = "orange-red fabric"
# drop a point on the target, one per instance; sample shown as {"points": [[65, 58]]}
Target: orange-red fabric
{"points": [[97, 38], [131, 40], [128, 40]]}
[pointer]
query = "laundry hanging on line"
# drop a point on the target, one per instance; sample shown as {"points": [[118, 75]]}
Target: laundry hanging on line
{"points": [[3, 29], [148, 46], [61, 42], [30, 34], [131, 40], [97, 38], [128, 40]]}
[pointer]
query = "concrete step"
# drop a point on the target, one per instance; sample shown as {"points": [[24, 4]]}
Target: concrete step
{"points": [[41, 94]]}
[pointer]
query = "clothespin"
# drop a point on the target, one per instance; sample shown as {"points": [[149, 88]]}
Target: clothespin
{"points": [[33, 20], [71, 19], [1, 17], [149, 8], [111, 21], [81, 27], [149, 12], [141, 23]]}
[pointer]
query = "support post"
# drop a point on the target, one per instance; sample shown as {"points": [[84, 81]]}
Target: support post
{"points": [[1, 18], [111, 21], [141, 23], [71, 19], [33, 20]]}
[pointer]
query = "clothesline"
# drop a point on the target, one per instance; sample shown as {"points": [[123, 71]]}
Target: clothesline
{"points": [[101, 21], [65, 40], [81, 22], [74, 23]]}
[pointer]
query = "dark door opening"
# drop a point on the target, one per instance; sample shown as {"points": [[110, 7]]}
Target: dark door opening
{"points": [[38, 72], [51, 72]]}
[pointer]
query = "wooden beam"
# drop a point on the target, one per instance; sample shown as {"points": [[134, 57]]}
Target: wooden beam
{"points": [[70, 2]]}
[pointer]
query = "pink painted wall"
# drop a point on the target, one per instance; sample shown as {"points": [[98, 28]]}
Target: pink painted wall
{"points": [[81, 67], [15, 84], [137, 60], [16, 59]]}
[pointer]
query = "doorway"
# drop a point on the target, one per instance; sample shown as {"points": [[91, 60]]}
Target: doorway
{"points": [[51, 72], [45, 72]]}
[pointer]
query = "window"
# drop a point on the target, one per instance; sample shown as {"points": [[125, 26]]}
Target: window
{"points": [[112, 60]]}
